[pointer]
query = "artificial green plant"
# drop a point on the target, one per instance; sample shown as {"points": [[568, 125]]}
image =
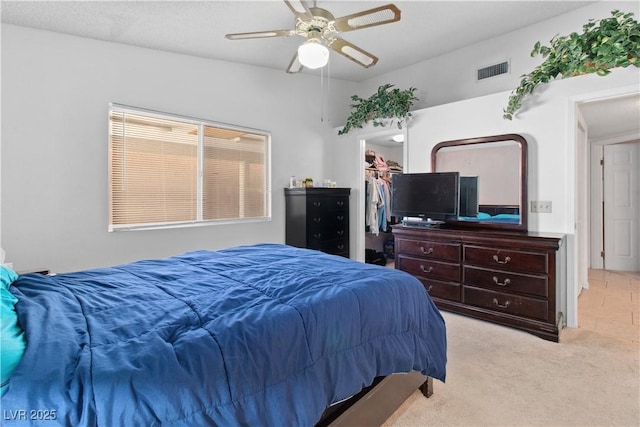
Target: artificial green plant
{"points": [[604, 44], [387, 103]]}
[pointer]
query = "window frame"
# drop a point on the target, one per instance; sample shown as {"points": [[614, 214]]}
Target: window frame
{"points": [[200, 176]]}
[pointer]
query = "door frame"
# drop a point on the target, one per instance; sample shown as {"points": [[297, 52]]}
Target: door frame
{"points": [[361, 198], [596, 194], [582, 203], [575, 268]]}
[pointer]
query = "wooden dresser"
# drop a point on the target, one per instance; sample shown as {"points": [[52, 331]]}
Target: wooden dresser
{"points": [[505, 277], [318, 218]]}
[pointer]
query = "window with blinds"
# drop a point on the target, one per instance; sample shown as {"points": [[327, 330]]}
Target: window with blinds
{"points": [[167, 171]]}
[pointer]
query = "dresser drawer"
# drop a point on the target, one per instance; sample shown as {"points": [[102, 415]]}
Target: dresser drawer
{"points": [[444, 290], [321, 234], [317, 222], [534, 262], [505, 281], [320, 206], [429, 269], [506, 303], [335, 247], [428, 249]]}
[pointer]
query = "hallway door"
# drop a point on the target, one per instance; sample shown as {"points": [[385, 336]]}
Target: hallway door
{"points": [[622, 207]]}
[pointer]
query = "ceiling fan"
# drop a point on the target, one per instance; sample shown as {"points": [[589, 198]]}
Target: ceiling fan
{"points": [[322, 31]]}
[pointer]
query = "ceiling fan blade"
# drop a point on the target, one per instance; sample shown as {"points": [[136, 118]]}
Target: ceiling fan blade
{"points": [[353, 52], [300, 9], [294, 66], [368, 18], [261, 34]]}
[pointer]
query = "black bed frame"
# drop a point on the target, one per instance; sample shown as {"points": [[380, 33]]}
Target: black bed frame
{"points": [[376, 403]]}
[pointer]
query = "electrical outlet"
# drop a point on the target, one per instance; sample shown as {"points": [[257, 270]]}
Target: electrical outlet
{"points": [[538, 206]]}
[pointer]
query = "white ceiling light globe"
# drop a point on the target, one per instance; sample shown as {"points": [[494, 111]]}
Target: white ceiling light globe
{"points": [[313, 55]]}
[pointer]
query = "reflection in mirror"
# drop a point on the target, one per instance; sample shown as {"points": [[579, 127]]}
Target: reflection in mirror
{"points": [[493, 179]]}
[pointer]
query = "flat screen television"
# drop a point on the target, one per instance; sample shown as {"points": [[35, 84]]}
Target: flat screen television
{"points": [[432, 197], [468, 197]]}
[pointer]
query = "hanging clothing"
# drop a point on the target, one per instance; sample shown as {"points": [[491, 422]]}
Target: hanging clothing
{"points": [[382, 206], [371, 209], [378, 214], [387, 197]]}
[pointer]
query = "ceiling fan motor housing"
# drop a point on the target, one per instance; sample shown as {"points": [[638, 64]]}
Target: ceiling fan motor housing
{"points": [[319, 27]]}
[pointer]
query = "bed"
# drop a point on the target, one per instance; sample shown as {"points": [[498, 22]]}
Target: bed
{"points": [[264, 334]]}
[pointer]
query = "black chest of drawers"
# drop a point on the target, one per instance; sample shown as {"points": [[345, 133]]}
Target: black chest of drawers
{"points": [[504, 277], [318, 218]]}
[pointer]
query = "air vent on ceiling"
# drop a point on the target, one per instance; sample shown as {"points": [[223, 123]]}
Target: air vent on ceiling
{"points": [[493, 70]]}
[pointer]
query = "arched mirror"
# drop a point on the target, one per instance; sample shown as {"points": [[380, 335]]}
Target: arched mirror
{"points": [[493, 171]]}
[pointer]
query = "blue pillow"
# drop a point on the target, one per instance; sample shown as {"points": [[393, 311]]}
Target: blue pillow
{"points": [[12, 338], [7, 276]]}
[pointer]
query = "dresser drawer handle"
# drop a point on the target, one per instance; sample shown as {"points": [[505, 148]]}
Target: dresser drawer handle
{"points": [[430, 287], [340, 247], [340, 203], [317, 204], [317, 235], [426, 251], [340, 232], [426, 270], [506, 304], [506, 259], [505, 283], [340, 217], [315, 219]]}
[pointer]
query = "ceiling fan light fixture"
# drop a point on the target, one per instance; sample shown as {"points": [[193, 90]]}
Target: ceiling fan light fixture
{"points": [[313, 54]]}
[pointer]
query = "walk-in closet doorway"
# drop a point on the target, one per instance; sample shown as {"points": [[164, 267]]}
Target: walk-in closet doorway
{"points": [[383, 143]]}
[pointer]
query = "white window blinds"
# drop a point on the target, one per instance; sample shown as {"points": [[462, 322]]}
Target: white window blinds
{"points": [[169, 170]]}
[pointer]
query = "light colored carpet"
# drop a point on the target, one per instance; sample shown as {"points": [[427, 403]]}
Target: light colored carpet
{"points": [[497, 376]]}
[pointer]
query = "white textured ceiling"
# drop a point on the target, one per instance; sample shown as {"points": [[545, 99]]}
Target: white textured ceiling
{"points": [[613, 117], [427, 29]]}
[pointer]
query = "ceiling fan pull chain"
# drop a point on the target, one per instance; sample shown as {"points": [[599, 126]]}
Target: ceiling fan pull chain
{"points": [[322, 94], [328, 84]]}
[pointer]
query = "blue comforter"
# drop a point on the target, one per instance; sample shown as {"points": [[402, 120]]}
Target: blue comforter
{"points": [[253, 335]]}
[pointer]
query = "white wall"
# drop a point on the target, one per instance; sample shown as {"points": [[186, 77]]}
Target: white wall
{"points": [[55, 94], [544, 125], [549, 128]]}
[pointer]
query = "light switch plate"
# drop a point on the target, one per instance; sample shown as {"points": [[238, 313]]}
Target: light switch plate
{"points": [[540, 206]]}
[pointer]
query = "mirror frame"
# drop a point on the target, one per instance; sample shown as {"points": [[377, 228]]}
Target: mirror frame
{"points": [[523, 226]]}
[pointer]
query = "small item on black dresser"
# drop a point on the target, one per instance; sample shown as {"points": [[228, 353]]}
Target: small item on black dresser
{"points": [[371, 256]]}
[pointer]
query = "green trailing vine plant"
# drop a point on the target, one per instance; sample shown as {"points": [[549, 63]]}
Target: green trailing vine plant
{"points": [[387, 103], [603, 45]]}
